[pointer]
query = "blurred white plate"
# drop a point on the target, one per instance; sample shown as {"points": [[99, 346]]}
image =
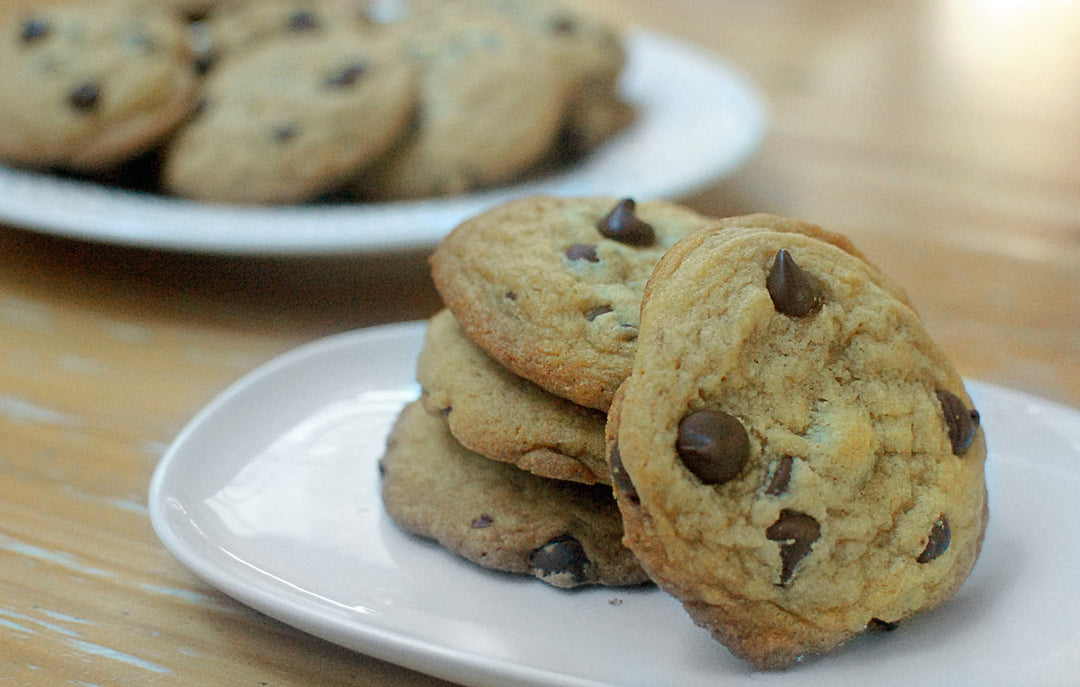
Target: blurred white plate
{"points": [[271, 494], [699, 118]]}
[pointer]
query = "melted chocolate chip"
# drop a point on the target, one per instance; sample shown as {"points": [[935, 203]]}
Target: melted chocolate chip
{"points": [[562, 555], [713, 445], [599, 310], [582, 251], [619, 478], [938, 541], [481, 521], [781, 477], [879, 625], [33, 30], [961, 421], [346, 76], [794, 291], [302, 20], [623, 225], [797, 532], [85, 96]]}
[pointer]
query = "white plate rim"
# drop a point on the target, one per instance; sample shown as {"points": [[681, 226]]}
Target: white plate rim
{"points": [[664, 162], [447, 663]]}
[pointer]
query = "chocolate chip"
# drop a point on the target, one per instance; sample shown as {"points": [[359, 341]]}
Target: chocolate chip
{"points": [[794, 291], [284, 133], [798, 532], [302, 20], [510, 296], [879, 625], [713, 445], [599, 310], [346, 76], [623, 225], [203, 62], [482, 521], [33, 30], [961, 421], [85, 96], [619, 478], [562, 25], [582, 251], [562, 555], [938, 541], [781, 477]]}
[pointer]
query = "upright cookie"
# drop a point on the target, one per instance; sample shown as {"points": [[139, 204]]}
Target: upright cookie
{"points": [[292, 119], [794, 457], [551, 287], [503, 417], [489, 108], [86, 86], [498, 516]]}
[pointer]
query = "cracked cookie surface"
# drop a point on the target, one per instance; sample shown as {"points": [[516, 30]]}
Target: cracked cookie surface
{"points": [[551, 287], [794, 457]]}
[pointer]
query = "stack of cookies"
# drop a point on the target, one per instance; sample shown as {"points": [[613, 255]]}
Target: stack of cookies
{"points": [[744, 411], [503, 458], [288, 101]]}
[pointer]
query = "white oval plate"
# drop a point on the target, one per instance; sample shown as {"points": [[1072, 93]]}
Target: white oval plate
{"points": [[271, 494], [698, 119]]}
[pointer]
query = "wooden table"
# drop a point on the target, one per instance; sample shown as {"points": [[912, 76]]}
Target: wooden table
{"points": [[943, 137]]}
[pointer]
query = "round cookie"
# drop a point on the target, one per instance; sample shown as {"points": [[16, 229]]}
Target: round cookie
{"points": [[794, 457], [586, 44], [489, 107], [564, 533], [590, 51], [87, 86], [551, 287], [503, 417], [292, 119]]}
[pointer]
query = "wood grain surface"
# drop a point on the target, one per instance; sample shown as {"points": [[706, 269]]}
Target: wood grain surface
{"points": [[942, 136]]}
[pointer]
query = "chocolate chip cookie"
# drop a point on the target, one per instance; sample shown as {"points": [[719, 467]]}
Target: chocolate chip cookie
{"points": [[292, 119], [87, 86], [489, 107], [503, 417], [589, 50], [794, 457], [551, 287], [564, 533]]}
